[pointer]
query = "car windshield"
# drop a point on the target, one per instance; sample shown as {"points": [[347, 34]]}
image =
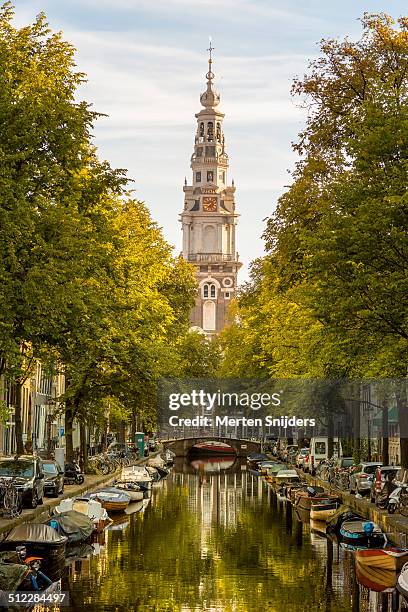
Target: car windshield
{"points": [[22, 469], [50, 468], [370, 469]]}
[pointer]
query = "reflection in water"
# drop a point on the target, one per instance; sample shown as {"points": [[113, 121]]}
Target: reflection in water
{"points": [[217, 541]]}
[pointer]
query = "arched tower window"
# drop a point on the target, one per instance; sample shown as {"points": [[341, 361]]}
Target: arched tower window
{"points": [[210, 131], [209, 290], [209, 316], [218, 131], [202, 129]]}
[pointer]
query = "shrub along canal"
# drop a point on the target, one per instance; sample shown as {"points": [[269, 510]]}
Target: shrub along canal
{"points": [[215, 537]]}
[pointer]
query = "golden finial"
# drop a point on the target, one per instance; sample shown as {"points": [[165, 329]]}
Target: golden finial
{"points": [[210, 74]]}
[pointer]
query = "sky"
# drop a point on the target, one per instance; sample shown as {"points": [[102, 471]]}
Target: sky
{"points": [[146, 62]]}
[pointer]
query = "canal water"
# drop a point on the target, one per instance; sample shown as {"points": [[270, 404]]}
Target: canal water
{"points": [[215, 537]]}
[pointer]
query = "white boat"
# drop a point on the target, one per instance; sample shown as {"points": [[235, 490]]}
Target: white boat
{"points": [[156, 462], [132, 489], [287, 476], [136, 473], [90, 507], [153, 473], [168, 456]]}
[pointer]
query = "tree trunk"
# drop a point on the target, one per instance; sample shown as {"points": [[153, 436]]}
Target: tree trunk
{"points": [[134, 422], [356, 431], [385, 458], [69, 426], [18, 426], [403, 426], [83, 447], [121, 432]]}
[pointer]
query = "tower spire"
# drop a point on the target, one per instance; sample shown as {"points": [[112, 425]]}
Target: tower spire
{"points": [[210, 74], [210, 98]]}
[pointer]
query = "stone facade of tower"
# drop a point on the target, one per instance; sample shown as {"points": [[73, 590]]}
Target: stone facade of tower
{"points": [[209, 218]]}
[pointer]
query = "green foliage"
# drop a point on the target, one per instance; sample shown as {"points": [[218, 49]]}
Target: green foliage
{"points": [[87, 279]]}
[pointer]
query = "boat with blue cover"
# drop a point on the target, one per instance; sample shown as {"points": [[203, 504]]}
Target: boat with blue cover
{"points": [[362, 533]]}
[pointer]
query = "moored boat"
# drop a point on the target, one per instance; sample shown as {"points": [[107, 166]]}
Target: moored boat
{"points": [[132, 489], [318, 526], [389, 558], [112, 499], [77, 527], [304, 497], [138, 474], [362, 533], [402, 582], [271, 472], [91, 508], [156, 462], [375, 578], [40, 541], [322, 510], [212, 447]]}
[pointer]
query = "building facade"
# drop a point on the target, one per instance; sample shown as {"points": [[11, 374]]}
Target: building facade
{"points": [[209, 217]]}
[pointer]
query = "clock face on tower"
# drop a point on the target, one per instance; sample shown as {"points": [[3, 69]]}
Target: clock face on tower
{"points": [[210, 204]]}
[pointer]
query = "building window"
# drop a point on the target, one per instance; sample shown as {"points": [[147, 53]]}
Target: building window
{"points": [[198, 177], [227, 295], [210, 176], [203, 268], [209, 290], [222, 176], [209, 316], [210, 131], [210, 151], [199, 151], [202, 129]]}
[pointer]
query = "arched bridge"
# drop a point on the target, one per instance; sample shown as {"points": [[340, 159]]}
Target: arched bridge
{"points": [[182, 446]]}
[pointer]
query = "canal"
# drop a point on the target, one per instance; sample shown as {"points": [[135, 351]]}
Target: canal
{"points": [[214, 537]]}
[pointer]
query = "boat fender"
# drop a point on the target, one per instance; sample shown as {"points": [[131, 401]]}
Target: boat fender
{"points": [[368, 528], [54, 524]]}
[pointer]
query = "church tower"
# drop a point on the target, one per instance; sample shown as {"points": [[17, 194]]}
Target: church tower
{"points": [[209, 218]]}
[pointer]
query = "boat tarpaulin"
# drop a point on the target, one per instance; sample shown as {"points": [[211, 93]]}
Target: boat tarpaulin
{"points": [[35, 532], [11, 575], [75, 525]]}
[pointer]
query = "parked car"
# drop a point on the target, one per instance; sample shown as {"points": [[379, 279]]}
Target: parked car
{"points": [[343, 462], [53, 478], [27, 475], [319, 451], [382, 474], [301, 457], [362, 476], [289, 452]]}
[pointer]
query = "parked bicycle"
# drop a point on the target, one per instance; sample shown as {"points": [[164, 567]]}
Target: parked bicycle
{"points": [[10, 498]]}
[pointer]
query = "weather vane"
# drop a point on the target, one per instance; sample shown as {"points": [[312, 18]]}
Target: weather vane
{"points": [[210, 48]]}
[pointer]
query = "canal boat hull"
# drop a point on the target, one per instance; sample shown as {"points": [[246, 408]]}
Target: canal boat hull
{"points": [[376, 578], [112, 499], [212, 448], [389, 558], [321, 511]]}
